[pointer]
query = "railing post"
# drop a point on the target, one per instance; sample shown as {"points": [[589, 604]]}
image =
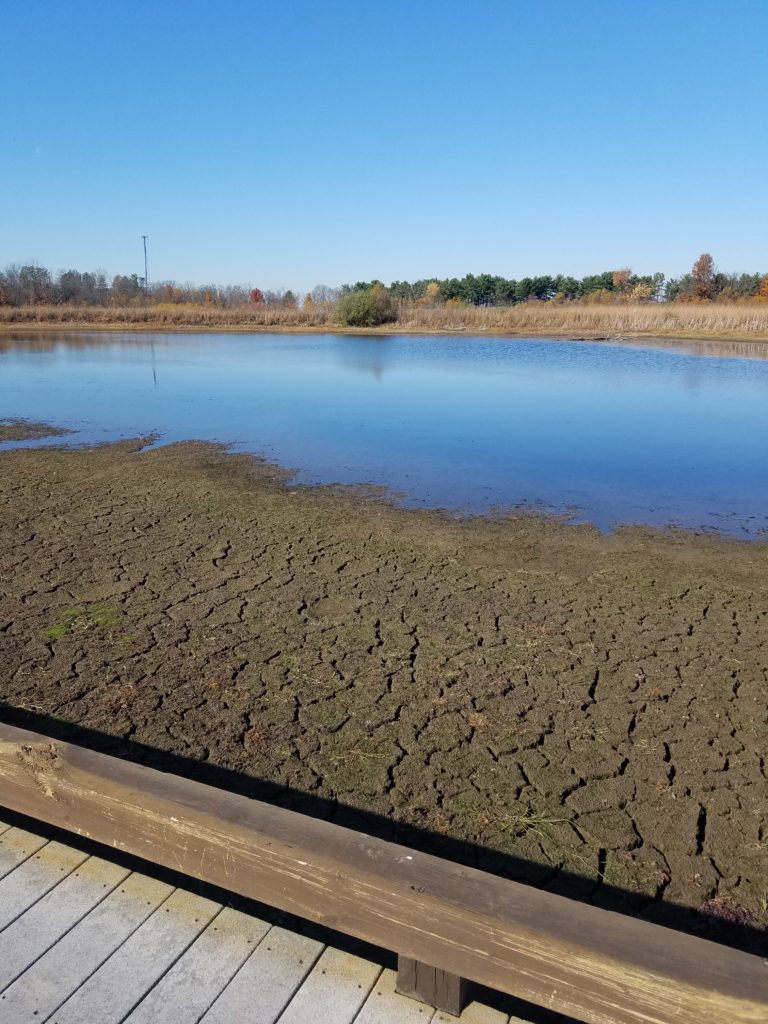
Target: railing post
{"points": [[444, 991]]}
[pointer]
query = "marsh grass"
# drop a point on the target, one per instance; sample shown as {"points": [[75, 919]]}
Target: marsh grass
{"points": [[75, 619], [574, 320], [164, 316], [584, 320]]}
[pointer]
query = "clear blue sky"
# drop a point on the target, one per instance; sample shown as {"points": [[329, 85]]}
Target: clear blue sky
{"points": [[285, 144]]}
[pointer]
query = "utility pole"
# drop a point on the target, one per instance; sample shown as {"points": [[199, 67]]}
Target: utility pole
{"points": [[146, 272]]}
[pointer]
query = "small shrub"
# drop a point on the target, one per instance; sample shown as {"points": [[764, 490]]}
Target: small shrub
{"points": [[367, 307]]}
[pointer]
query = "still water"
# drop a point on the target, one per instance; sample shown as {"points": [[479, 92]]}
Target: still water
{"points": [[600, 432]]}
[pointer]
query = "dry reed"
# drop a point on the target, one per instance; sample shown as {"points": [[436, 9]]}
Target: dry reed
{"points": [[589, 321], [672, 320], [163, 316]]}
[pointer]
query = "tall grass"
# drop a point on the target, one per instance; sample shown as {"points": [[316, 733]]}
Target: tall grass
{"points": [[577, 320], [673, 320], [165, 315]]}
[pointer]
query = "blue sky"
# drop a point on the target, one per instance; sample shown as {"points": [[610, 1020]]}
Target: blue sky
{"points": [[293, 143]]}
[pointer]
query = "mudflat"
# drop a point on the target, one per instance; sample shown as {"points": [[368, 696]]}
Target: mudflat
{"points": [[26, 430], [578, 711]]}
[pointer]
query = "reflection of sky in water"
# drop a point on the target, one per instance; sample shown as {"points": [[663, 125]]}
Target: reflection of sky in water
{"points": [[618, 432]]}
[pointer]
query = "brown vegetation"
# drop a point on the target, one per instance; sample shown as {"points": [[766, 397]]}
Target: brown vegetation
{"points": [[562, 319], [164, 315], [584, 320]]}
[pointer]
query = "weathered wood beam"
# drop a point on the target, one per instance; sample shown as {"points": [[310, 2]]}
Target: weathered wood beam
{"points": [[591, 964]]}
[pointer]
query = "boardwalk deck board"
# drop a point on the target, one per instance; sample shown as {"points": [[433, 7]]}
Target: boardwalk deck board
{"points": [[52, 979], [186, 992], [16, 846], [267, 981], [386, 1006], [334, 991], [36, 876], [43, 924], [110, 994], [477, 1013]]}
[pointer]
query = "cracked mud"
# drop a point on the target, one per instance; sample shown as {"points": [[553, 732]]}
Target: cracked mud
{"points": [[588, 712]]}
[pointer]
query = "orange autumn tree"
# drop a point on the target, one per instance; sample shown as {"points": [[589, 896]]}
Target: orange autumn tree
{"points": [[622, 280], [703, 275]]}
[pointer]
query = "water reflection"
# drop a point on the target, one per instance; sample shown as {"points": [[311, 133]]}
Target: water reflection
{"points": [[371, 350], [634, 432], [719, 347], [369, 354]]}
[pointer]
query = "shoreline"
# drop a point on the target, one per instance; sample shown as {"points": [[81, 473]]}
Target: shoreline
{"points": [[746, 322], [160, 327], [20, 429]]}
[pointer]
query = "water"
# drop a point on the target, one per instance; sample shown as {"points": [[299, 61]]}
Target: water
{"points": [[599, 432]]}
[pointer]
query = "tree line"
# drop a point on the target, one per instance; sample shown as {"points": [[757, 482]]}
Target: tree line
{"points": [[29, 284], [703, 283], [32, 285]]}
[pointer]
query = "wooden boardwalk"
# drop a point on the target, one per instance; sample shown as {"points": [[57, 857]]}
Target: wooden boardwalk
{"points": [[86, 941]]}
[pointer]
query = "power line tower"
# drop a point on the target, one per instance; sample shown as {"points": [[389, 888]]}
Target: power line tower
{"points": [[146, 271]]}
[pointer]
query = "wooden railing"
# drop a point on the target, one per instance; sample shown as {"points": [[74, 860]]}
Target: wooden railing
{"points": [[591, 964]]}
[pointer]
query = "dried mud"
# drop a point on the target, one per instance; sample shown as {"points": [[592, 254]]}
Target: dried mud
{"points": [[582, 712], [26, 430]]}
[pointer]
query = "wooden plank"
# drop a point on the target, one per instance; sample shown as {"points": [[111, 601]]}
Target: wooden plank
{"points": [[16, 845], [385, 1005], [334, 991], [431, 985], [62, 970], [38, 874], [477, 1013], [267, 981], [203, 971], [46, 921], [110, 994], [587, 963]]}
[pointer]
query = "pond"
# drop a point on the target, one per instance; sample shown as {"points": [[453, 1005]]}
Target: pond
{"points": [[598, 432]]}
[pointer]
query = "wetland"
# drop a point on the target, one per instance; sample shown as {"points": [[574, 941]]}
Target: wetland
{"points": [[602, 433], [581, 706]]}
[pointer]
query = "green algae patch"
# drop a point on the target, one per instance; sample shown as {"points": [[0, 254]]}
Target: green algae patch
{"points": [[73, 620]]}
